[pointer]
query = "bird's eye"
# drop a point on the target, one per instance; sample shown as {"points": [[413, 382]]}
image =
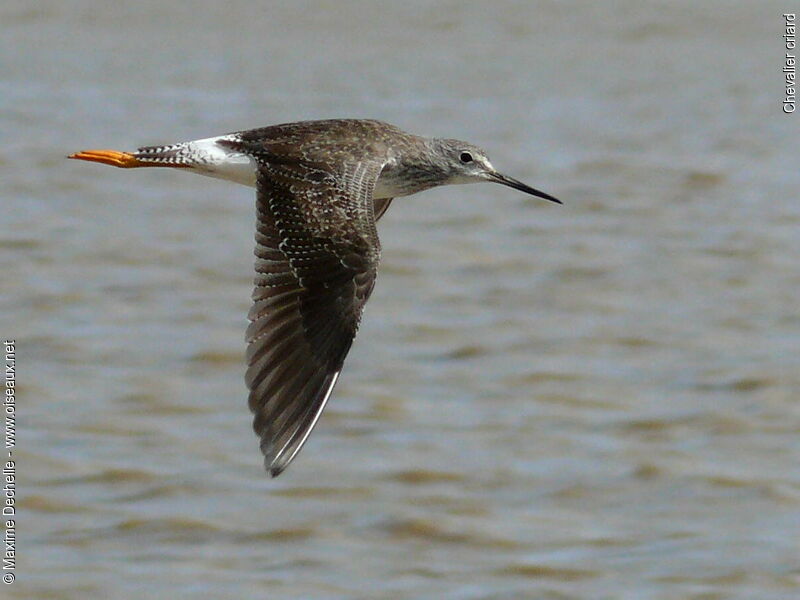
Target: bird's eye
{"points": [[465, 157]]}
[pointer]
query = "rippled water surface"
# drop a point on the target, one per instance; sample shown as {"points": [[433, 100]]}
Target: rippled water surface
{"points": [[591, 401]]}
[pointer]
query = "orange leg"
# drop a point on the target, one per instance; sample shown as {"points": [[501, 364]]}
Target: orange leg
{"points": [[124, 160]]}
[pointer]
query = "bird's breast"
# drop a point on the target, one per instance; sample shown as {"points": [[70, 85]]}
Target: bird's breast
{"points": [[395, 181]]}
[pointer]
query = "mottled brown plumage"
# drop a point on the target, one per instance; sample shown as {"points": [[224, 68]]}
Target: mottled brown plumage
{"points": [[321, 187]]}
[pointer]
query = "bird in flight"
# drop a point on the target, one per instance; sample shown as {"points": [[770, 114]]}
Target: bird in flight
{"points": [[320, 188]]}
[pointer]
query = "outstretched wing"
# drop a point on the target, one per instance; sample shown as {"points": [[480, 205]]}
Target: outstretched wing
{"points": [[317, 253]]}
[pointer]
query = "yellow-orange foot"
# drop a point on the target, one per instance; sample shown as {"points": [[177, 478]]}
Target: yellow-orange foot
{"points": [[114, 158]]}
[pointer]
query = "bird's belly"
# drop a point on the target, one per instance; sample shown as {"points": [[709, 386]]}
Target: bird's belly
{"points": [[213, 160], [241, 169]]}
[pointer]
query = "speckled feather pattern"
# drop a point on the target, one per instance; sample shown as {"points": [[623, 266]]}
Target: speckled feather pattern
{"points": [[320, 188], [317, 253]]}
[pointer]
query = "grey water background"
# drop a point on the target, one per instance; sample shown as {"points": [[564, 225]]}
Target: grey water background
{"points": [[598, 400]]}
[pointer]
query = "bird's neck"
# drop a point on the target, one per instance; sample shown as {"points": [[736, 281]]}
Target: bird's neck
{"points": [[408, 173]]}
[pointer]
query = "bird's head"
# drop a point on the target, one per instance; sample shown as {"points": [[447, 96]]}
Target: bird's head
{"points": [[467, 163]]}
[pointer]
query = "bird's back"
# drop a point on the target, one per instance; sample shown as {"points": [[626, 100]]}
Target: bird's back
{"points": [[332, 141]]}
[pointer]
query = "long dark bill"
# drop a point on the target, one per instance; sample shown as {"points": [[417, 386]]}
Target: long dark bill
{"points": [[518, 185]]}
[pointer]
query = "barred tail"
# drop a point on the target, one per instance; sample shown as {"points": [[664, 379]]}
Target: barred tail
{"points": [[174, 155]]}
